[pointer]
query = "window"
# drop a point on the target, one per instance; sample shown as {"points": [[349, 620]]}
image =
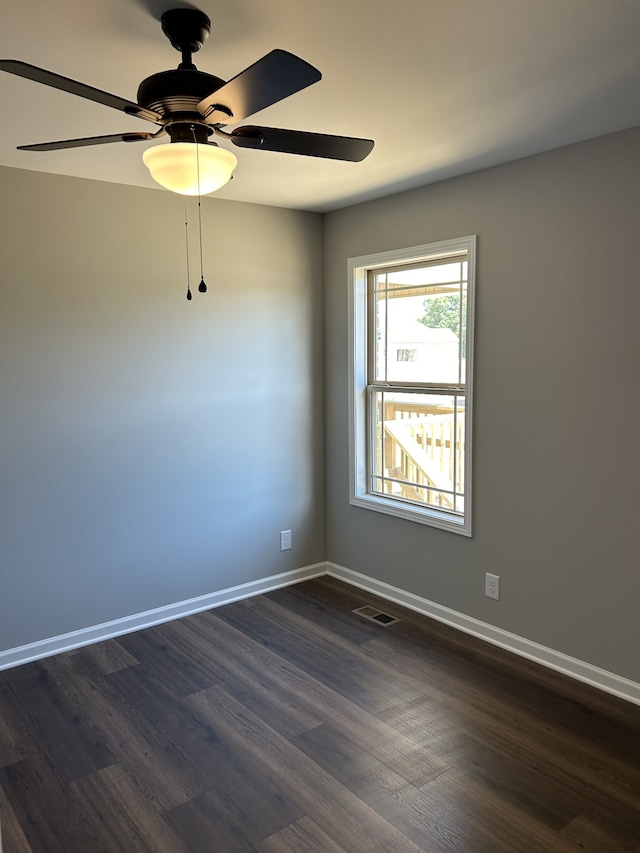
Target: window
{"points": [[411, 375], [406, 354]]}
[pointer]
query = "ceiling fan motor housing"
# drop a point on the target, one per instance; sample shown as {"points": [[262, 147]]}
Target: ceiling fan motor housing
{"points": [[177, 92]]}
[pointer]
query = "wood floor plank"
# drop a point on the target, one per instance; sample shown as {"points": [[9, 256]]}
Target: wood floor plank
{"points": [[44, 810], [426, 645], [332, 806], [530, 770], [563, 751], [264, 682], [108, 656], [13, 839], [138, 828], [241, 794], [197, 741], [417, 811], [307, 602], [160, 771], [390, 795], [75, 743], [340, 665], [476, 818], [496, 758], [292, 702], [171, 660], [602, 830], [206, 824], [244, 808], [487, 703], [16, 742], [303, 836]]}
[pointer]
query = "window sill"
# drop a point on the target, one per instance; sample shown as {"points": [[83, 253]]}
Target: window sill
{"points": [[421, 515]]}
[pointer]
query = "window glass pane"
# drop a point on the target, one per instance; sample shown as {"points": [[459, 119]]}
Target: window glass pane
{"points": [[379, 323], [441, 272], [419, 317], [418, 448]]}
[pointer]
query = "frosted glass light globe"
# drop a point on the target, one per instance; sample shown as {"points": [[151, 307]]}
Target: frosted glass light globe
{"points": [[176, 166]]}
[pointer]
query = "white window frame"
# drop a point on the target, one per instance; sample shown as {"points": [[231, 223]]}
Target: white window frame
{"points": [[359, 426]]}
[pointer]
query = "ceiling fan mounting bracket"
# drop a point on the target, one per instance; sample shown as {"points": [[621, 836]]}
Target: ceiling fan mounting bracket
{"points": [[186, 29]]}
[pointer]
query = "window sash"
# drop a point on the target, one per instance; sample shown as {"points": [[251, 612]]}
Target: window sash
{"points": [[381, 366], [414, 454]]}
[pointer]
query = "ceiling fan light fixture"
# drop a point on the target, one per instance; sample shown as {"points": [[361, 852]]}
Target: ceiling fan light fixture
{"points": [[190, 168]]}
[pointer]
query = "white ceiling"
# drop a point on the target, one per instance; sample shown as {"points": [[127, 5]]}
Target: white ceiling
{"points": [[443, 86]]}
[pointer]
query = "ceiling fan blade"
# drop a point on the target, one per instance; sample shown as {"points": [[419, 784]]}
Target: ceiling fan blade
{"points": [[89, 140], [272, 78], [301, 142], [65, 84]]}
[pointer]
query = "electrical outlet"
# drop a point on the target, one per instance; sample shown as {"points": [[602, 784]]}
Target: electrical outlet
{"points": [[492, 586], [285, 540]]}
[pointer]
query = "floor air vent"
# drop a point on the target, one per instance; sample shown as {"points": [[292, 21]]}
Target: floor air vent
{"points": [[376, 615]]}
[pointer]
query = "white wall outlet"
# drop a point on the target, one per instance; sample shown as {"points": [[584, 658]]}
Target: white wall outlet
{"points": [[492, 586], [285, 540]]}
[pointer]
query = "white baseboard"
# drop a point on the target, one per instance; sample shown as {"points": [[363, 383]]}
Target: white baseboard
{"points": [[149, 618], [585, 672], [581, 671]]}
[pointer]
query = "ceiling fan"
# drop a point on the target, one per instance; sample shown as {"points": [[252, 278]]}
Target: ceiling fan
{"points": [[191, 106]]}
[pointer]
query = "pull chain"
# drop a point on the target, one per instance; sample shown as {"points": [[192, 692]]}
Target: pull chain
{"points": [[202, 287], [186, 238]]}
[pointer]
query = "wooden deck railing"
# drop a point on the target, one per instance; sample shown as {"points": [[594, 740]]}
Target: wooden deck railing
{"points": [[424, 453]]}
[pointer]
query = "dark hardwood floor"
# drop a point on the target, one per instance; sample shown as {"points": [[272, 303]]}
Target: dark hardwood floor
{"points": [[287, 724]]}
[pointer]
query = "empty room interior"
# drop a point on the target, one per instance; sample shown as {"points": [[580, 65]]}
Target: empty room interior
{"points": [[200, 495]]}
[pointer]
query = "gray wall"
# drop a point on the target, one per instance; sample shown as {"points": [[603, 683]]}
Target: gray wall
{"points": [[151, 449], [556, 409]]}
